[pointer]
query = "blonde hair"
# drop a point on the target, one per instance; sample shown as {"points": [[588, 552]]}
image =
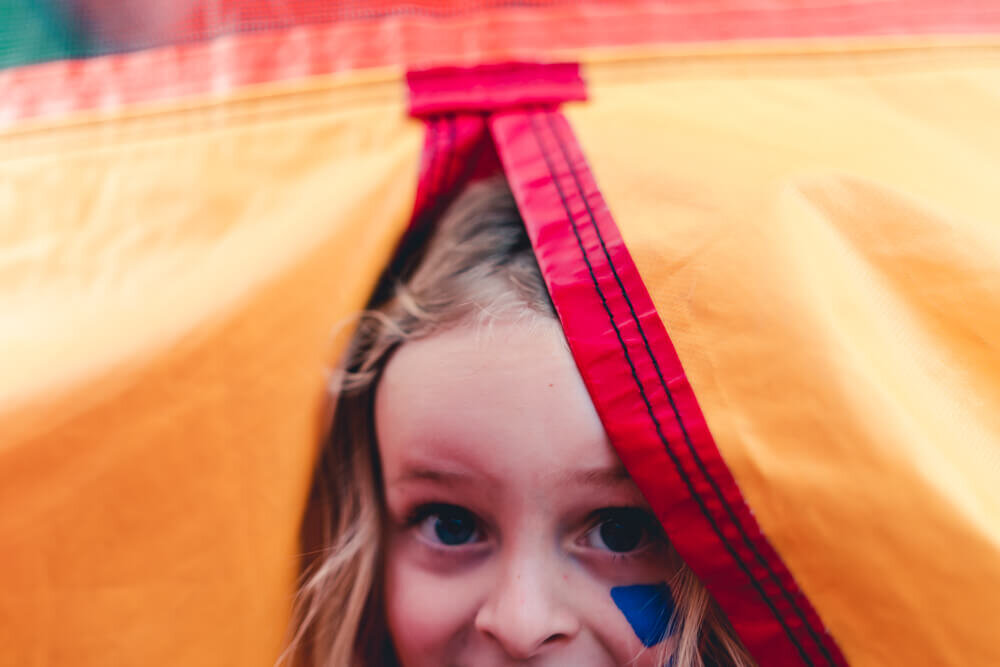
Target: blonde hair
{"points": [[477, 267]]}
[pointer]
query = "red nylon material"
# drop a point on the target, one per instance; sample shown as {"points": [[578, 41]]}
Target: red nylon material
{"points": [[454, 102], [191, 67], [642, 395], [453, 148], [492, 87]]}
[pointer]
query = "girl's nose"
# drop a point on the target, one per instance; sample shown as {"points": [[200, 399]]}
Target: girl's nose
{"points": [[524, 613]]}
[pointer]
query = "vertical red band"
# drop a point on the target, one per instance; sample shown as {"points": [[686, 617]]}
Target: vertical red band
{"points": [[453, 146]]}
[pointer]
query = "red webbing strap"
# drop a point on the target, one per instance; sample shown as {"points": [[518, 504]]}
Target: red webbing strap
{"points": [[631, 370], [453, 147], [455, 101], [487, 88]]}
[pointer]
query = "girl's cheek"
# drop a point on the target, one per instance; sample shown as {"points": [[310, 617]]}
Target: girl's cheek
{"points": [[637, 606], [426, 607], [618, 618], [647, 608]]}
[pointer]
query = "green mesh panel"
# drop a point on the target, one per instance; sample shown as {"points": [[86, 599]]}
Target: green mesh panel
{"points": [[35, 30]]}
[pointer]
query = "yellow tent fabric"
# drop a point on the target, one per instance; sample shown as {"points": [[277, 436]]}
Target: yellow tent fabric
{"points": [[815, 225], [169, 305]]}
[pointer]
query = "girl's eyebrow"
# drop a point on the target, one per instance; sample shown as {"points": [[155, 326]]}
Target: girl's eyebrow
{"points": [[447, 477], [605, 477]]}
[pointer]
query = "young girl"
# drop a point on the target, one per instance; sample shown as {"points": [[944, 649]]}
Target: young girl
{"points": [[468, 508]]}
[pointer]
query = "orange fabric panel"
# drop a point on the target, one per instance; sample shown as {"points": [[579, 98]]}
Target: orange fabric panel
{"points": [[817, 227], [169, 302]]}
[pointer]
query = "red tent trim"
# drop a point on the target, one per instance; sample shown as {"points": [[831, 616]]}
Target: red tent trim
{"points": [[479, 35]]}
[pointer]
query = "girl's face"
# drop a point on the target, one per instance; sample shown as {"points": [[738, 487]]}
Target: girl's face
{"points": [[515, 535]]}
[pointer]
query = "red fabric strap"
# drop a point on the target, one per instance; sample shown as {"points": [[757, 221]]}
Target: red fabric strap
{"points": [[454, 102], [492, 87], [454, 147]]}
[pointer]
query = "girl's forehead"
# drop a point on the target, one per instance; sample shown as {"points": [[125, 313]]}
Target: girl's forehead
{"points": [[506, 401]]}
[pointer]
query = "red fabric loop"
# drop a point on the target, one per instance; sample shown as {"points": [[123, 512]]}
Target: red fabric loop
{"points": [[493, 87]]}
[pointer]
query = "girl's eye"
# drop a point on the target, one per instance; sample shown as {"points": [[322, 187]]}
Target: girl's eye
{"points": [[449, 525], [620, 530]]}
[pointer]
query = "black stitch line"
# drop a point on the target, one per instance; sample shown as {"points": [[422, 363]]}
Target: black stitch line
{"points": [[438, 153], [452, 153], [473, 160], [436, 175], [447, 156], [649, 407], [677, 414], [432, 141]]}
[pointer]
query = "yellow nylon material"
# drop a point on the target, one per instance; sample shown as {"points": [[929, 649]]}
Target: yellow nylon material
{"points": [[169, 300], [819, 232]]}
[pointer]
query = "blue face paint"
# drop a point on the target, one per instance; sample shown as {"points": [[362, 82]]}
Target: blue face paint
{"points": [[647, 608]]}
